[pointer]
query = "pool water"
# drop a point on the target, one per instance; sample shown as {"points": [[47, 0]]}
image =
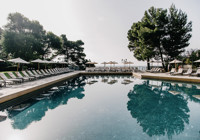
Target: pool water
{"points": [[106, 108]]}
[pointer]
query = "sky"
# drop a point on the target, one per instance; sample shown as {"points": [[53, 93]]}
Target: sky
{"points": [[101, 24]]}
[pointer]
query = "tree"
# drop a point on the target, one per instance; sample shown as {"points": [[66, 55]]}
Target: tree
{"points": [[23, 38], [73, 52], [1, 32], [189, 56], [66, 47], [178, 33], [77, 55], [52, 44], [28, 39], [163, 34], [142, 51]]}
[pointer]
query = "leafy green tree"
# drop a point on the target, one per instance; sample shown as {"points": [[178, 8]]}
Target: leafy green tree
{"points": [[164, 34], [66, 47], [1, 32], [52, 44], [23, 38], [145, 35], [178, 33], [17, 45], [73, 52], [142, 51], [77, 55], [154, 21], [27, 39], [189, 56]]}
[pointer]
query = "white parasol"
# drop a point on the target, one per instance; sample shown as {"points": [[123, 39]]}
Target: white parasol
{"points": [[18, 61]]}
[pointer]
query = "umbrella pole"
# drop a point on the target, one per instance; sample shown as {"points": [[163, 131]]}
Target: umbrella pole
{"points": [[17, 67], [175, 67], [38, 66]]}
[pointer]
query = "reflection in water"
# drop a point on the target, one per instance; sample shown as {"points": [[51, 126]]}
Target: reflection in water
{"points": [[162, 110], [157, 110], [37, 109], [109, 79], [34, 109]]}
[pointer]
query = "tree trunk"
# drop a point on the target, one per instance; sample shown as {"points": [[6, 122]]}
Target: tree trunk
{"points": [[161, 56]]}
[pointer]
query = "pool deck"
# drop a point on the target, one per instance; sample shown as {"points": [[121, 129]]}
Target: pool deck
{"points": [[13, 91], [166, 77]]}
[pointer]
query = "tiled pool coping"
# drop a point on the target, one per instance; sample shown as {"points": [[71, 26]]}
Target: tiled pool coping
{"points": [[15, 91], [167, 77]]}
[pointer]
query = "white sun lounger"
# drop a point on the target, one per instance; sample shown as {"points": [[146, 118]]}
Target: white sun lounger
{"points": [[9, 80], [197, 73]]}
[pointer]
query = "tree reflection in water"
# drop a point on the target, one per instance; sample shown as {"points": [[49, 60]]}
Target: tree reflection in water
{"points": [[158, 111], [36, 111]]}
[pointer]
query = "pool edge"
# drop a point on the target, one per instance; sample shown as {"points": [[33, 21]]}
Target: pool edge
{"points": [[27, 91]]}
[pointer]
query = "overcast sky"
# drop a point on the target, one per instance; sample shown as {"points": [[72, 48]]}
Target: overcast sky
{"points": [[101, 24]]}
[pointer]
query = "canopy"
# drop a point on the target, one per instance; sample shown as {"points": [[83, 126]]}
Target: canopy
{"points": [[37, 61], [115, 62], [18, 61], [53, 62], [175, 61], [42, 61], [91, 63], [112, 62], [128, 62], [104, 63], [46, 61]]}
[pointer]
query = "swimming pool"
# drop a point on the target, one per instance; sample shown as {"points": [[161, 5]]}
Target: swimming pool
{"points": [[107, 107]]}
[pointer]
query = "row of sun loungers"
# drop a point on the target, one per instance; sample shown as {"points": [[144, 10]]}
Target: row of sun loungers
{"points": [[155, 70], [110, 69], [180, 71], [29, 75], [189, 72]]}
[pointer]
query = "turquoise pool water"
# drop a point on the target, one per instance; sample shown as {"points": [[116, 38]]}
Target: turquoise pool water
{"points": [[106, 108]]}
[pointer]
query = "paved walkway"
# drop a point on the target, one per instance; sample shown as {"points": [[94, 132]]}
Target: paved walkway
{"points": [[166, 76], [13, 91]]}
